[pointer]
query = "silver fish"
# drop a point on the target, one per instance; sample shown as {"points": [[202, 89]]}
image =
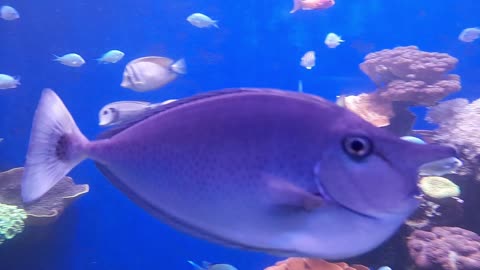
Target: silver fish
{"points": [[202, 21], [262, 169], [435, 168], [440, 167], [125, 112], [469, 34], [9, 13], [121, 112], [112, 56], [70, 59]]}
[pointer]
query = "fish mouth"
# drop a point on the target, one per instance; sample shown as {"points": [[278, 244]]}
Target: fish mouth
{"points": [[322, 191], [103, 123]]}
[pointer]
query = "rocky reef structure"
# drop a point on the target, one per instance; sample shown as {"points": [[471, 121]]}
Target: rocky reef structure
{"points": [[14, 215], [445, 248], [297, 263], [440, 204], [405, 76]]}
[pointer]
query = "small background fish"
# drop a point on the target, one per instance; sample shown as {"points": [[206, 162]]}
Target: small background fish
{"points": [[9, 13], [70, 59], [151, 72], [202, 21]]}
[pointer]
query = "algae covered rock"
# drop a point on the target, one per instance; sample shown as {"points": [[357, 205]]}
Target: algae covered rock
{"points": [[439, 187], [47, 208]]}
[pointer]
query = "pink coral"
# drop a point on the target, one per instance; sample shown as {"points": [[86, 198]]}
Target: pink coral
{"points": [[447, 248], [420, 92], [407, 63], [297, 263], [406, 75], [458, 126]]}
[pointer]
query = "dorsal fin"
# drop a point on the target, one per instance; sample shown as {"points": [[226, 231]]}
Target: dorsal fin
{"points": [[201, 96]]}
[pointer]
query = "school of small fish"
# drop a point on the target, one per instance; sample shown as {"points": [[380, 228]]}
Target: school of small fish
{"points": [[153, 72]]}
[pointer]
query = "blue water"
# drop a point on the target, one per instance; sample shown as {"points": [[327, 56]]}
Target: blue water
{"points": [[259, 44]]}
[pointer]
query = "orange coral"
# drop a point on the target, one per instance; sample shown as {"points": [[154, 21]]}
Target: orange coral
{"points": [[366, 105], [297, 263]]}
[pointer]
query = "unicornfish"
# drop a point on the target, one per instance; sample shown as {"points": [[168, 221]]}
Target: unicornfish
{"points": [[275, 171]]}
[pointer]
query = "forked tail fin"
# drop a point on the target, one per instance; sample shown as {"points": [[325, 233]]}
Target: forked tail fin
{"points": [[56, 146], [297, 5], [179, 67]]}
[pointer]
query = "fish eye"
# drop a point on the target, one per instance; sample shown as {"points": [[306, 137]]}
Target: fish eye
{"points": [[357, 146], [105, 112]]}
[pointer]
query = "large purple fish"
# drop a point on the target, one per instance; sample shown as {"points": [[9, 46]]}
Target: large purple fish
{"points": [[269, 170]]}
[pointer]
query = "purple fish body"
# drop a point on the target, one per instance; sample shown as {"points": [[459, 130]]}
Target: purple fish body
{"points": [[281, 172]]}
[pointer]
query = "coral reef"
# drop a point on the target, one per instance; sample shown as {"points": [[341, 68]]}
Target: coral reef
{"points": [[447, 248], [404, 75], [296, 263], [11, 221], [408, 74], [436, 212], [457, 122], [46, 209], [439, 204]]}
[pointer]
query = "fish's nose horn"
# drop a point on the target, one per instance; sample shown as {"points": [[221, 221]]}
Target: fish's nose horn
{"points": [[427, 153]]}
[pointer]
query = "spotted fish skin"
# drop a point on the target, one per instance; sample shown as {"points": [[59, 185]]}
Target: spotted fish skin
{"points": [[260, 169]]}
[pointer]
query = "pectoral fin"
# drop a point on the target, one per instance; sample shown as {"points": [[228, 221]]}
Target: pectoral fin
{"points": [[285, 193]]}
